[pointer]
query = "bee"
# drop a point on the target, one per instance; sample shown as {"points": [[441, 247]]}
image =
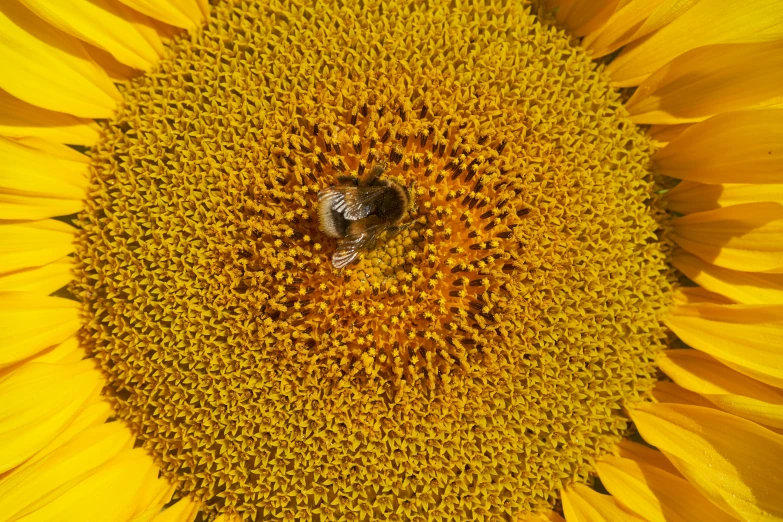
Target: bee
{"points": [[357, 211]]}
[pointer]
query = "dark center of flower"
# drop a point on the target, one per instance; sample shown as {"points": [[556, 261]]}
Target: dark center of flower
{"points": [[471, 364]]}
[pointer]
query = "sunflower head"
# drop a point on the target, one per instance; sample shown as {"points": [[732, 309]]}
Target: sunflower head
{"points": [[484, 357]]}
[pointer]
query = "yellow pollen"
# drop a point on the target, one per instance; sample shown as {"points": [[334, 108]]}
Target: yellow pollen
{"points": [[469, 364]]}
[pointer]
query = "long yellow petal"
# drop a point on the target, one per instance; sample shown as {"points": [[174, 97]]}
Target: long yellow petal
{"points": [[656, 495], [48, 68], [204, 6], [735, 147], [711, 80], [19, 118], [704, 23], [585, 16], [36, 185], [37, 243], [582, 504], [727, 458], [549, 516], [746, 237], [634, 20], [180, 13], [88, 417], [106, 24], [729, 390], [748, 337], [696, 295], [664, 134], [671, 393], [689, 196], [74, 161], [640, 453], [36, 157], [740, 287], [66, 352], [24, 492], [155, 494], [115, 492], [118, 72], [41, 280], [39, 401], [30, 323], [185, 510]]}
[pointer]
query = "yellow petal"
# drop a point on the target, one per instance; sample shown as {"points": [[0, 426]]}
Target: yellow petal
{"points": [[165, 31], [741, 287], [729, 390], [549, 516], [41, 483], [695, 295], [584, 16], [180, 13], [74, 160], [727, 458], [582, 504], [689, 196], [153, 493], [36, 157], [711, 80], [670, 393], [204, 6], [50, 69], [185, 510], [39, 401], [634, 20], [656, 495], [42, 280], [118, 72], [72, 165], [663, 134], [735, 147], [747, 337], [645, 454], [35, 185], [66, 352], [704, 23], [111, 494], [27, 245], [19, 118], [30, 323], [106, 24], [746, 237], [152, 497], [88, 417]]}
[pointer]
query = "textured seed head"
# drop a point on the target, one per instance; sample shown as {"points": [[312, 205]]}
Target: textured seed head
{"points": [[471, 364]]}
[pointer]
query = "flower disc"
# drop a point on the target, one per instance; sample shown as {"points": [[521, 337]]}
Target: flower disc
{"points": [[469, 365]]}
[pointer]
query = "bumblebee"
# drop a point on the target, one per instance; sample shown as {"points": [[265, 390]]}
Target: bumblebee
{"points": [[357, 211]]}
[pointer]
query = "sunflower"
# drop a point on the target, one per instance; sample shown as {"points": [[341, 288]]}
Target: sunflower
{"points": [[581, 315]]}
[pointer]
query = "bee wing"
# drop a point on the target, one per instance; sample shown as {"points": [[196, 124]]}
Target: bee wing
{"points": [[352, 202], [334, 197], [349, 248], [362, 202]]}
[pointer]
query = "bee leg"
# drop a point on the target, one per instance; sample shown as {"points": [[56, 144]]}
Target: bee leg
{"points": [[413, 207], [348, 180], [375, 173]]}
